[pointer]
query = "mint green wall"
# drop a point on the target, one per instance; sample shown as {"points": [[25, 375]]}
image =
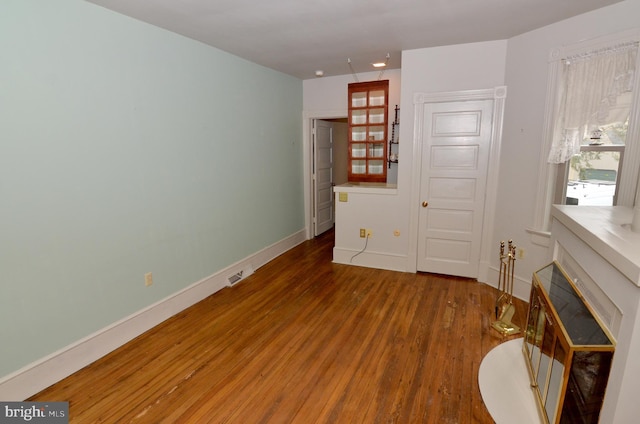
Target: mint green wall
{"points": [[127, 149]]}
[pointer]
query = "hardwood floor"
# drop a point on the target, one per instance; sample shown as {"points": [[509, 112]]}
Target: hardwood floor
{"points": [[303, 340]]}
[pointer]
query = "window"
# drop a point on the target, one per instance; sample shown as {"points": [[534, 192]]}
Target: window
{"points": [[606, 146], [592, 120], [593, 175]]}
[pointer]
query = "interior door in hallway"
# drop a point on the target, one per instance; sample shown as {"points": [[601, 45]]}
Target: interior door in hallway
{"points": [[455, 153], [322, 176]]}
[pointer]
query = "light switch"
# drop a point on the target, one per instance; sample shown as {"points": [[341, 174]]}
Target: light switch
{"points": [[343, 197]]}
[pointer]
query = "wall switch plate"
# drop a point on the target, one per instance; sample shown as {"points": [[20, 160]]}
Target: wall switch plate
{"points": [[148, 279]]}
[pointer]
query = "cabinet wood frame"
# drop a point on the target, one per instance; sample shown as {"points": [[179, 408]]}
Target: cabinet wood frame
{"points": [[368, 132]]}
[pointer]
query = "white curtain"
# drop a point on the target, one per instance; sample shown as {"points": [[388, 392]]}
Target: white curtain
{"points": [[590, 85]]}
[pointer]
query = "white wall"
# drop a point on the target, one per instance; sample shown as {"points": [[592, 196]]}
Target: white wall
{"points": [[125, 149], [451, 68], [526, 79], [330, 93]]}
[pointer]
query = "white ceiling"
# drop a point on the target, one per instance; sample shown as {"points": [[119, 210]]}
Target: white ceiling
{"points": [[298, 37]]}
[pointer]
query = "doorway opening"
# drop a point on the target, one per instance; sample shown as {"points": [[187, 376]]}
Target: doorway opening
{"points": [[328, 169], [337, 120]]}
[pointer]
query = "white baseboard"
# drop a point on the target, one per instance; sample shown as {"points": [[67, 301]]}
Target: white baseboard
{"points": [[521, 286], [483, 271], [370, 259], [46, 371], [487, 274]]}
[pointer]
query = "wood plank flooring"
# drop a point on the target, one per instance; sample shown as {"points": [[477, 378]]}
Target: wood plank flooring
{"points": [[303, 340]]}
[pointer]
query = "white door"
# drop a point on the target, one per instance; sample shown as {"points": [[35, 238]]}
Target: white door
{"points": [[322, 176], [456, 141]]}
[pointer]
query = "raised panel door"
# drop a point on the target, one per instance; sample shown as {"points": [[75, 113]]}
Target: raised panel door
{"points": [[455, 154]]}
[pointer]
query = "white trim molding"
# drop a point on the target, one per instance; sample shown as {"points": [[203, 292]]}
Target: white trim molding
{"points": [[369, 259], [498, 95], [521, 286], [48, 370]]}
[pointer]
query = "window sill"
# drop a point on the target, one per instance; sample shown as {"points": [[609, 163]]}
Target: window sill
{"points": [[539, 237]]}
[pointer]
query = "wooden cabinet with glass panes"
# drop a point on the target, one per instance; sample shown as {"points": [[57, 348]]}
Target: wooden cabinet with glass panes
{"points": [[368, 121]]}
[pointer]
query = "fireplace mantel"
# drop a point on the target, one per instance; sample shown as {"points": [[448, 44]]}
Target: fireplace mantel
{"points": [[596, 247], [607, 230]]}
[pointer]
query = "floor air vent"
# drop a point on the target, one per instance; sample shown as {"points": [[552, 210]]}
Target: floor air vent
{"points": [[235, 278]]}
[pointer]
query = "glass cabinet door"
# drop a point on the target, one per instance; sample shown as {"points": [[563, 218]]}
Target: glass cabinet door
{"points": [[377, 98], [368, 128], [546, 356], [588, 377], [545, 326], [530, 333], [359, 99], [535, 334], [554, 388]]}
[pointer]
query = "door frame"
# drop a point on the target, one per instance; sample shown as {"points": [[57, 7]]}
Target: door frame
{"points": [[307, 154], [498, 95], [321, 186]]}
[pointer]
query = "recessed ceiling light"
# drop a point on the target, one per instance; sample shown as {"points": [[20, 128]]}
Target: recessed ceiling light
{"points": [[319, 73], [382, 64]]}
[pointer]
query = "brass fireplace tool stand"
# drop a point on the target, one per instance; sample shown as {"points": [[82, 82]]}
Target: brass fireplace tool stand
{"points": [[504, 303]]}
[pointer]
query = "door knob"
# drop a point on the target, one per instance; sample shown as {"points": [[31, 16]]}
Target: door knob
{"points": [[425, 204]]}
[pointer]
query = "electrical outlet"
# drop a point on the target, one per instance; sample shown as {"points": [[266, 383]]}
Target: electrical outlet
{"points": [[363, 232], [148, 279], [369, 233], [520, 253]]}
